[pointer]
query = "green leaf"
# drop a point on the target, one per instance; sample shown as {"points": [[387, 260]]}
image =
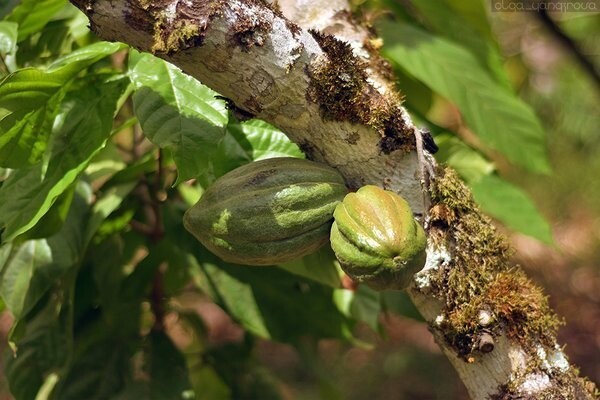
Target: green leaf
{"points": [[8, 37], [53, 220], [245, 142], [319, 267], [32, 267], [362, 304], [274, 304], [208, 385], [398, 302], [82, 129], [497, 116], [32, 15], [67, 31], [510, 205], [178, 112], [167, 369], [104, 206], [260, 140], [74, 62], [43, 347], [469, 163], [98, 373], [468, 27], [18, 271], [30, 100]]}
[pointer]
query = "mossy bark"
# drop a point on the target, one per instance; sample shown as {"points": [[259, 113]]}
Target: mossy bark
{"points": [[315, 73]]}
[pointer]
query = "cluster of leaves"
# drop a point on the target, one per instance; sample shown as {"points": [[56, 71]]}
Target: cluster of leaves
{"points": [[101, 151]]}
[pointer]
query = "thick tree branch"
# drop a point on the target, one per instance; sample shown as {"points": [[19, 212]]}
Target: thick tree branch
{"points": [[311, 70], [281, 73]]}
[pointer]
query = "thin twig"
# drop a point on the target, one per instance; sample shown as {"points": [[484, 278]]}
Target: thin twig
{"points": [[570, 45]]}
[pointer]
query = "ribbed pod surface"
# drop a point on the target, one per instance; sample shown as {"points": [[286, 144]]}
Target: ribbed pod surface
{"points": [[267, 212]]}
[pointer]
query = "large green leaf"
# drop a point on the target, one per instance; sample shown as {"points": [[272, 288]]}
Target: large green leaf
{"points": [[167, 368], [261, 140], [469, 163], [98, 373], [362, 304], [32, 267], [467, 27], [82, 128], [245, 142], [273, 303], [32, 15], [497, 116], [511, 206], [30, 100], [178, 112], [319, 266], [497, 197], [18, 271], [8, 37], [42, 349]]}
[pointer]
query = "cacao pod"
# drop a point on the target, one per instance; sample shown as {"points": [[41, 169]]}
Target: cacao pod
{"points": [[377, 240], [267, 212]]}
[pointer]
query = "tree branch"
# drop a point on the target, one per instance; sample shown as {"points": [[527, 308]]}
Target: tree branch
{"points": [[570, 45], [312, 71]]}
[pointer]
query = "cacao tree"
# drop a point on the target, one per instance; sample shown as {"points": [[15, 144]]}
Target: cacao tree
{"points": [[118, 116]]}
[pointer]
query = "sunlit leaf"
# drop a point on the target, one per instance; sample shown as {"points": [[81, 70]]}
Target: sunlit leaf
{"points": [[178, 112], [8, 37], [82, 129], [245, 142], [261, 140], [30, 100], [32, 266], [18, 271], [32, 15]]}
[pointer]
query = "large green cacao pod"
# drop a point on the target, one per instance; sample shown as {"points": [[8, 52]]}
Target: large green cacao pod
{"points": [[267, 212], [376, 238]]}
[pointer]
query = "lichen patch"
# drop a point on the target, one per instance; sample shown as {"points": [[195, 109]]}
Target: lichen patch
{"points": [[175, 24], [251, 28]]}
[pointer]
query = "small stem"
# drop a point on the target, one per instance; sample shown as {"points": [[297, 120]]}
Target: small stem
{"points": [[140, 227], [152, 194], [157, 297], [570, 45], [4, 66]]}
